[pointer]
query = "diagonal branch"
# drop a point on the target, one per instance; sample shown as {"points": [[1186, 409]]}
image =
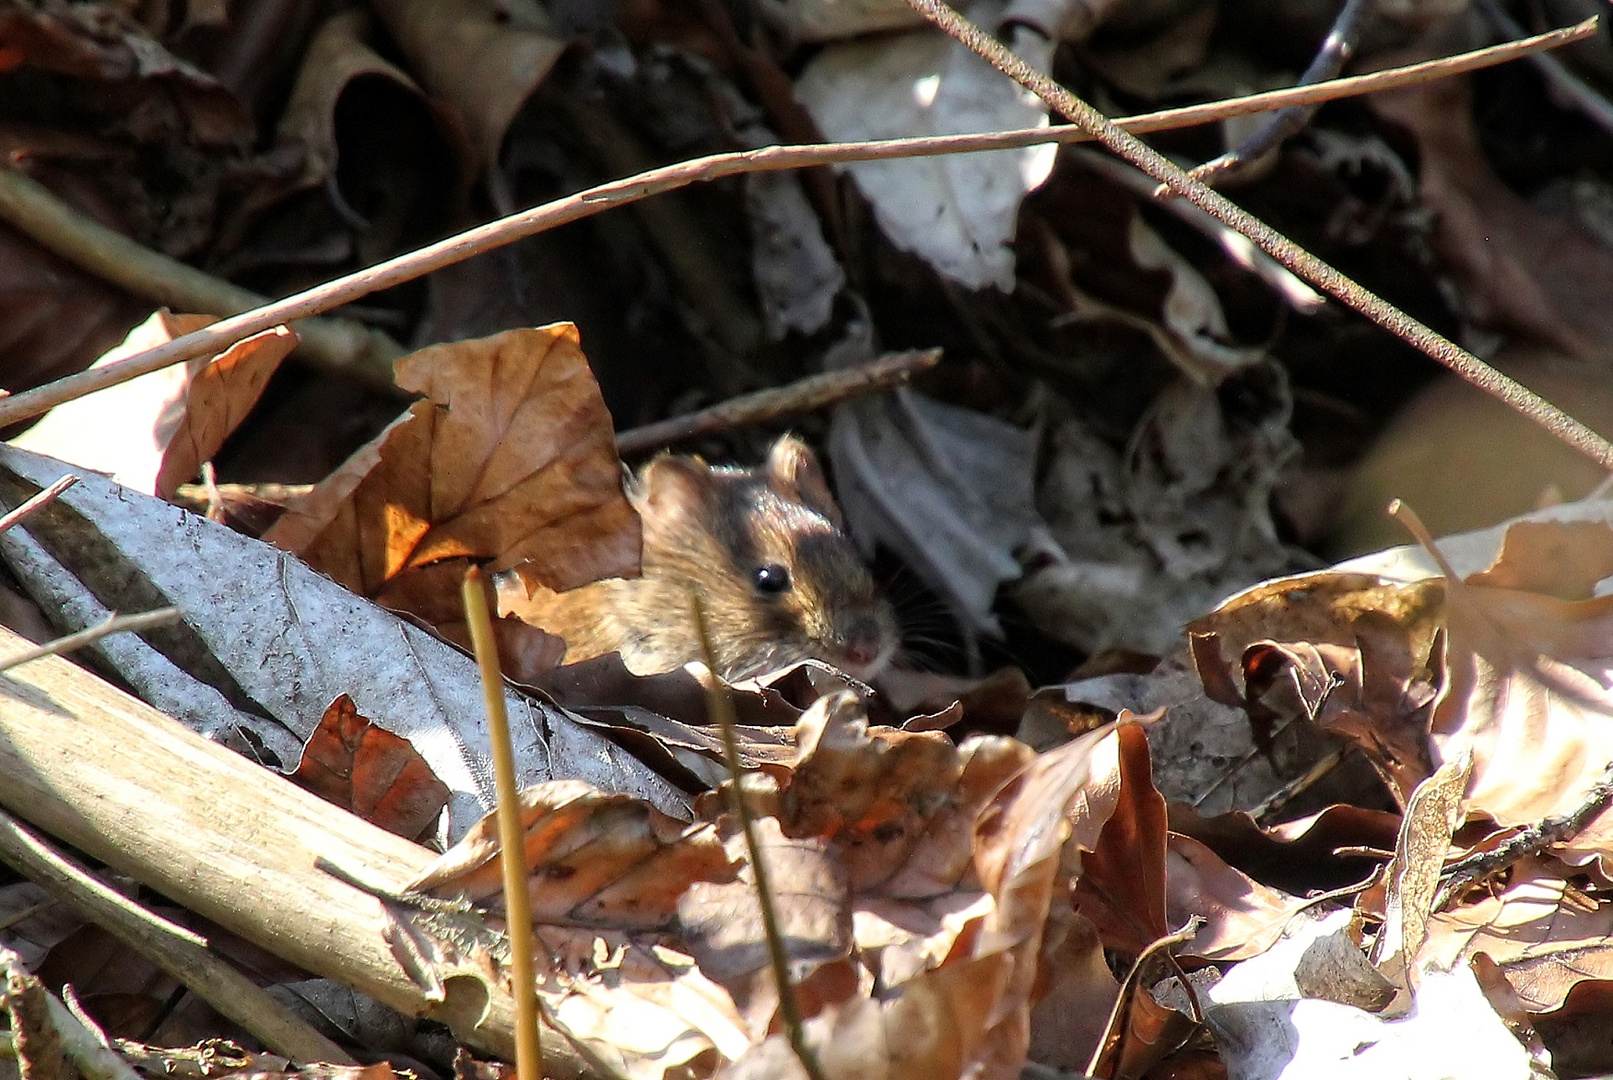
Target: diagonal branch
{"points": [[224, 333], [1275, 244]]}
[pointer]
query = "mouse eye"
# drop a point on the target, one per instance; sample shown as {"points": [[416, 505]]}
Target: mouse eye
{"points": [[772, 579]]}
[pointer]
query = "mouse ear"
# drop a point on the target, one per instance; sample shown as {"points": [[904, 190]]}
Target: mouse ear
{"points": [[793, 471], [673, 489]]}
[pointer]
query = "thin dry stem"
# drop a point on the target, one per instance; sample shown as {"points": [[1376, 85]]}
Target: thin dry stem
{"points": [[173, 948], [722, 711], [804, 395], [335, 343], [38, 502], [511, 834], [343, 290], [1275, 244], [114, 624]]}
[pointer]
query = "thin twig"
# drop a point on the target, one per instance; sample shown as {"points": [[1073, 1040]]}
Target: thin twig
{"points": [[805, 395], [173, 948], [1336, 50], [1462, 874], [38, 502], [343, 290], [1275, 244], [511, 833], [114, 624], [1584, 97], [722, 710], [93, 1059], [335, 343]]}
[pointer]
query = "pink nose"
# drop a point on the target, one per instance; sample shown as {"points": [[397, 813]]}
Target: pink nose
{"points": [[862, 652]]}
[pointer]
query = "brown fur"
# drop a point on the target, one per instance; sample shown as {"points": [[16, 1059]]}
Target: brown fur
{"points": [[711, 529]]}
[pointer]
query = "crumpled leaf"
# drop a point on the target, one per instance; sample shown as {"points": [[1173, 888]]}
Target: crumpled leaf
{"points": [[371, 772], [1242, 917], [1544, 939], [899, 805], [958, 212], [510, 459], [267, 643], [946, 488], [594, 859], [1143, 543], [153, 433], [480, 60]]}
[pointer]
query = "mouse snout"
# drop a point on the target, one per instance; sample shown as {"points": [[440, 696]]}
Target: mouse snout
{"points": [[868, 643]]}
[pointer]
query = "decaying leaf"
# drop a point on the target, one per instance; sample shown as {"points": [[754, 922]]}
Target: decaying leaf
{"points": [[482, 62], [595, 858], [947, 488], [153, 433], [510, 459], [378, 776], [956, 212]]}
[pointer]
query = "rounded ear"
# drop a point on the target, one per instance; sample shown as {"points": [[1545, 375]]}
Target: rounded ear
{"points": [[673, 489], [793, 471]]}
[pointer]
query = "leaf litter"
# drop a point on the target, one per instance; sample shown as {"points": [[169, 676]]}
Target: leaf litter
{"points": [[1248, 850]]}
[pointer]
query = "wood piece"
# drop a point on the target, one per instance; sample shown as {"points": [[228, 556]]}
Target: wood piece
{"points": [[222, 836]]}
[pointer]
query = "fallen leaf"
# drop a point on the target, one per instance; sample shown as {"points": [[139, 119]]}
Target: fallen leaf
{"points": [[371, 772], [948, 489], [510, 459], [480, 61], [153, 433], [957, 212], [267, 644], [593, 858]]}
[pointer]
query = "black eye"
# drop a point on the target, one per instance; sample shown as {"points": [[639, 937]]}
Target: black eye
{"points": [[772, 579]]}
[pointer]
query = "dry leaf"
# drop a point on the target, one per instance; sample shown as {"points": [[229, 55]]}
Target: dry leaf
{"points": [[153, 433], [481, 60], [595, 858], [378, 776], [957, 212], [512, 458]]}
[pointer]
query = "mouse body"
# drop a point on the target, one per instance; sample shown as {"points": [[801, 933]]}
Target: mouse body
{"points": [[765, 550]]}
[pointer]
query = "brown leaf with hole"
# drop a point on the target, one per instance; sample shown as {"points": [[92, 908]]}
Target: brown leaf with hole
{"points": [[512, 458], [372, 772], [593, 858], [153, 433]]}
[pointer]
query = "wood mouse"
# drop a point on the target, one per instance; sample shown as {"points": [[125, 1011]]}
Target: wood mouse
{"points": [[766, 550]]}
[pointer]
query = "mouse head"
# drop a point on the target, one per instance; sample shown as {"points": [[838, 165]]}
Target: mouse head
{"points": [[780, 579]]}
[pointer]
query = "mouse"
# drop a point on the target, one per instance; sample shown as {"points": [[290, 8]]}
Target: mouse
{"points": [[766, 550]]}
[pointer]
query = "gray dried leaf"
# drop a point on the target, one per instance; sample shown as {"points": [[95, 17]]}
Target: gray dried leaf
{"points": [[266, 643]]}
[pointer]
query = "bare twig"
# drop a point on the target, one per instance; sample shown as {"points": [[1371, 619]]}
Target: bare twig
{"points": [[225, 332], [38, 502], [1336, 50], [722, 711], [115, 624], [805, 395], [93, 1059], [1275, 244], [336, 343], [511, 833], [1584, 97], [173, 948], [1114, 1029], [1462, 874]]}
